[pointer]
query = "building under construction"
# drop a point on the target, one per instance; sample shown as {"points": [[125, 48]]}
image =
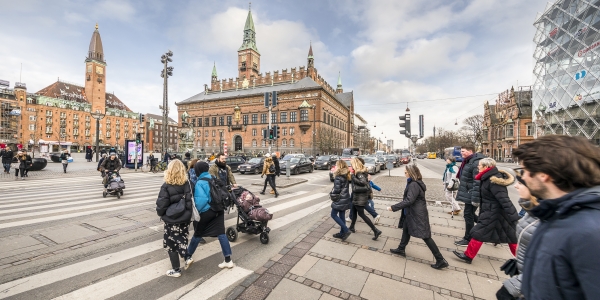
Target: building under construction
{"points": [[9, 119]]}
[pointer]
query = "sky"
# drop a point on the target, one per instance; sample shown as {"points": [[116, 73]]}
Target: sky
{"points": [[441, 58]]}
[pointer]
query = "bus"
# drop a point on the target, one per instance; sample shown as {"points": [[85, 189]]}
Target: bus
{"points": [[454, 152], [350, 152], [431, 155]]}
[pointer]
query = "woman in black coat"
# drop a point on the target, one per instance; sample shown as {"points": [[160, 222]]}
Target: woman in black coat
{"points": [[415, 217], [88, 153], [497, 215], [340, 195], [175, 213], [360, 195]]}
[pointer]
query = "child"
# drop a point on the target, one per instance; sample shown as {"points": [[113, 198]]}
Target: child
{"points": [[371, 207]]}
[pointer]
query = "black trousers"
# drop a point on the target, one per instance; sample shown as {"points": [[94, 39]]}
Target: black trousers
{"points": [[470, 219], [17, 172], [428, 241], [360, 210], [271, 181]]}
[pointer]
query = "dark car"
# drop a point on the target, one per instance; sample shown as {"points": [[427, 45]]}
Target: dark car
{"points": [[381, 162], [233, 162], [325, 162], [392, 159], [253, 166], [297, 165]]}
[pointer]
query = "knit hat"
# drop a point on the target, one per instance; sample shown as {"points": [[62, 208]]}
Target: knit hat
{"points": [[200, 167]]}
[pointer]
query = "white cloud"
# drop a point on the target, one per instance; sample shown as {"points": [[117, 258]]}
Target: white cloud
{"points": [[115, 9]]}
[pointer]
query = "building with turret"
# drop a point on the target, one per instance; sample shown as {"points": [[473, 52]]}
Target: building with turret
{"points": [[59, 116], [312, 116]]}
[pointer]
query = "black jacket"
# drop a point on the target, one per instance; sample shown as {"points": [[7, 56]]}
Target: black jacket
{"points": [[276, 162], [23, 161], [28, 161], [414, 210], [171, 194], [498, 216], [7, 156], [562, 260], [360, 181], [468, 190], [111, 164], [341, 187]]}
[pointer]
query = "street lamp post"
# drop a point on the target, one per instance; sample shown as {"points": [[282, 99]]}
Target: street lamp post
{"points": [[98, 116], [314, 108], [166, 72], [220, 140]]}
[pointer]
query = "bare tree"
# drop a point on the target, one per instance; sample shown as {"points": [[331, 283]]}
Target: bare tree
{"points": [[472, 132]]}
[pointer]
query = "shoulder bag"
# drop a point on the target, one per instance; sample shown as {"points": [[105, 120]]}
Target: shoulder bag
{"points": [[195, 213], [454, 186], [334, 197]]}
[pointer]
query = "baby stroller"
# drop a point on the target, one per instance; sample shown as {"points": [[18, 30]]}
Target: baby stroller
{"points": [[252, 218], [115, 186]]}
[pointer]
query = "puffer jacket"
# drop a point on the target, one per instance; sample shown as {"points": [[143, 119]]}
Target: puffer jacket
{"points": [[341, 186], [525, 229], [266, 166], [171, 194], [7, 156], [360, 181], [414, 210], [468, 190], [497, 215]]}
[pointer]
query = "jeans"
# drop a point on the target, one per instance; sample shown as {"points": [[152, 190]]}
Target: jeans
{"points": [[338, 216], [428, 241], [65, 167], [17, 172], [470, 219], [451, 197], [225, 246], [6, 167]]}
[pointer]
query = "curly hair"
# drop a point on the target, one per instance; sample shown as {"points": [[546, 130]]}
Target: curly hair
{"points": [[358, 166], [175, 173]]}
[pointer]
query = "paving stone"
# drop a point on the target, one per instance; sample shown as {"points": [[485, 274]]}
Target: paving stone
{"points": [[276, 257], [484, 287], [446, 278], [16, 242], [279, 269], [327, 296], [366, 240], [288, 289], [352, 280], [249, 280], [235, 293], [339, 251], [297, 252], [304, 245], [447, 230], [255, 292], [267, 280], [63, 235], [268, 264], [289, 259], [312, 240]]}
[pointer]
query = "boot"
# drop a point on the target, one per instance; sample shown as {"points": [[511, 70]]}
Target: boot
{"points": [[262, 193], [377, 233], [276, 194], [440, 264], [272, 192], [398, 251]]}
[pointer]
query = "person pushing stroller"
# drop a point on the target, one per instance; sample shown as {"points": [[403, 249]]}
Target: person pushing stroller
{"points": [[110, 165]]}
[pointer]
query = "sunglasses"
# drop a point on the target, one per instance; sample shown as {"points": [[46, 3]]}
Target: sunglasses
{"points": [[518, 170]]}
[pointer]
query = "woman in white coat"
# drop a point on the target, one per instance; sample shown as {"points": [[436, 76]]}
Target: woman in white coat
{"points": [[449, 178]]}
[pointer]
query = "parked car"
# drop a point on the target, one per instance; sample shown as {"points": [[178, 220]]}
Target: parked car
{"points": [[334, 168], [297, 165], [392, 159], [325, 162], [233, 162], [372, 165], [312, 159], [406, 160], [253, 166], [381, 162]]}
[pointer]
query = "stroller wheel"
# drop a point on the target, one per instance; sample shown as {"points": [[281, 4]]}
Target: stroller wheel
{"points": [[118, 195], [104, 194], [121, 192], [231, 234], [264, 238]]}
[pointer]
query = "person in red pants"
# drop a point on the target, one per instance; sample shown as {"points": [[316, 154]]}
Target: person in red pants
{"points": [[498, 216]]}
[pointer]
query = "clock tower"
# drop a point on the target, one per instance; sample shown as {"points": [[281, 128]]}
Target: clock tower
{"points": [[95, 74], [248, 55]]}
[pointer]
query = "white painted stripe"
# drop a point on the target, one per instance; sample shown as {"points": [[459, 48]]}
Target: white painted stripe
{"points": [[271, 200], [319, 184], [295, 202], [217, 283]]}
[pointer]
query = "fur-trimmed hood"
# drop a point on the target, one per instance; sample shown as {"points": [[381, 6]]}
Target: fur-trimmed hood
{"points": [[499, 177], [340, 172]]}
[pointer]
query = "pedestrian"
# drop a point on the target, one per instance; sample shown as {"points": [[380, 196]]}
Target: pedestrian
{"points": [[22, 165], [112, 150], [414, 219], [212, 223], [449, 179], [28, 163], [186, 160], [110, 165], [166, 157], [88, 153], [64, 159], [174, 206], [360, 196], [370, 208], [561, 261], [269, 170], [468, 189], [7, 157], [340, 195], [511, 288], [151, 161], [277, 168], [497, 215], [103, 151], [222, 171]]}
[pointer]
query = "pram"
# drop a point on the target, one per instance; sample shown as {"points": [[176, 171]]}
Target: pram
{"points": [[115, 185], [244, 223]]}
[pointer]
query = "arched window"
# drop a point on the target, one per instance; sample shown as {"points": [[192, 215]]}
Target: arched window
{"points": [[263, 144], [291, 142], [254, 143], [206, 144], [284, 143], [214, 143]]}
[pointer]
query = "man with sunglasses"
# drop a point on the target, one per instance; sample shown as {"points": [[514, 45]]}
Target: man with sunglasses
{"points": [[468, 189], [561, 261]]}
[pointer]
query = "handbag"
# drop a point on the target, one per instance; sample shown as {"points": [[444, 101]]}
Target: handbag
{"points": [[195, 213], [334, 197], [454, 186], [176, 210], [510, 267]]}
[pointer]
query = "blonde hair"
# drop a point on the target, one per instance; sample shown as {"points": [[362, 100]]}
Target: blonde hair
{"points": [[413, 172], [341, 168], [487, 162], [175, 173], [358, 166]]}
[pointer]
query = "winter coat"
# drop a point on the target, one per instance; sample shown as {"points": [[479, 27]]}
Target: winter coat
{"points": [[22, 160], [525, 229], [276, 162], [111, 165], [497, 215], [267, 164], [64, 157], [7, 156], [449, 176], [360, 179], [214, 170], [562, 261], [171, 194], [28, 161], [414, 210], [468, 190], [341, 186], [88, 153], [202, 193]]}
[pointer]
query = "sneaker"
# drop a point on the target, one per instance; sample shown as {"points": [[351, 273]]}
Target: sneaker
{"points": [[377, 219], [188, 263], [22, 178], [462, 242], [346, 235], [228, 265], [174, 273], [348, 219]]}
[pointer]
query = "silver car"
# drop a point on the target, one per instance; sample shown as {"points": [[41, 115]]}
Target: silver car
{"points": [[372, 165]]}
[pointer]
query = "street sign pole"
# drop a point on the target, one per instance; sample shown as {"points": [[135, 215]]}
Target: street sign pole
{"points": [[136, 147]]}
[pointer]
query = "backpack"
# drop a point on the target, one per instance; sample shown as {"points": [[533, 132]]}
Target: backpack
{"points": [[220, 197], [272, 169]]}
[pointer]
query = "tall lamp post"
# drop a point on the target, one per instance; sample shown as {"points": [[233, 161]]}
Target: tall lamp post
{"points": [[314, 108], [221, 140], [98, 116], [165, 73]]}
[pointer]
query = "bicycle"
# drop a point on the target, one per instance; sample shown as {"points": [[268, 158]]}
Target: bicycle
{"points": [[161, 166]]}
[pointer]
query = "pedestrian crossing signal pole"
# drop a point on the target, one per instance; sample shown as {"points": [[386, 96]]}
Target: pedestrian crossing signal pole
{"points": [[270, 102]]}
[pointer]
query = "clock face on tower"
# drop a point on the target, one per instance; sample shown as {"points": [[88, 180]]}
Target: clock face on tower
{"points": [[99, 70]]}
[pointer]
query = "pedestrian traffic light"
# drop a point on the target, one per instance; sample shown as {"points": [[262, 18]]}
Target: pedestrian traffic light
{"points": [[421, 126], [271, 133], [138, 138], [405, 125], [275, 132]]}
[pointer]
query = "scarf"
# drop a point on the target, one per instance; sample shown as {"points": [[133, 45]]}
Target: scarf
{"points": [[221, 165], [464, 163], [449, 168], [478, 176]]}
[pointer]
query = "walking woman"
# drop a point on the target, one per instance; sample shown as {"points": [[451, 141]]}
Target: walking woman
{"points": [[22, 160], [269, 170], [64, 158], [414, 220], [340, 195], [212, 223], [497, 215], [449, 179], [174, 213], [360, 195]]}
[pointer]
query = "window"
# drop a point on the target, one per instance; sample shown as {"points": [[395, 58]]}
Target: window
{"points": [[75, 117], [87, 132], [284, 143], [283, 117], [325, 117], [32, 127], [206, 122], [284, 131], [245, 119], [262, 143], [228, 120], [206, 133], [529, 129], [221, 121], [49, 113], [254, 143], [63, 115], [509, 130], [273, 118], [263, 118], [214, 121], [87, 118], [291, 133], [214, 133], [291, 142], [32, 118], [206, 144], [293, 116], [214, 143], [254, 118], [254, 132]]}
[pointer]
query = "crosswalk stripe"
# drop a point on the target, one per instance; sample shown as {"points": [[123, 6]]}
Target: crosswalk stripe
{"points": [[217, 283]]}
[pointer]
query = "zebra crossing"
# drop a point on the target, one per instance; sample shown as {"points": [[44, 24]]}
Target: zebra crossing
{"points": [[27, 206]]}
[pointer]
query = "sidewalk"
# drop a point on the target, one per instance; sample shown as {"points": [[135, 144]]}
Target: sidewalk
{"points": [[318, 266]]}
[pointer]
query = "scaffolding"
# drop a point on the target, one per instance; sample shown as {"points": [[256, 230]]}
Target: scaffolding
{"points": [[9, 119]]}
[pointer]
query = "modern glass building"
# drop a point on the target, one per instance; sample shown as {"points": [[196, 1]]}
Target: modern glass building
{"points": [[566, 96]]}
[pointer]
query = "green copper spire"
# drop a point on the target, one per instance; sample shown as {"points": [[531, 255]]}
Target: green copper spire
{"points": [[339, 85], [214, 71], [249, 34]]}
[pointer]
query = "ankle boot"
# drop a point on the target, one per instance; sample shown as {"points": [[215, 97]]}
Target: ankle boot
{"points": [[262, 193], [398, 251], [377, 233], [440, 264]]}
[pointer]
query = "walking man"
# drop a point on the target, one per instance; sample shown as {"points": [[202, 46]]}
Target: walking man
{"points": [[561, 261], [222, 171], [468, 190], [7, 156]]}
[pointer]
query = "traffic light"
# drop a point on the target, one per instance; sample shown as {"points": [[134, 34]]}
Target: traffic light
{"points": [[276, 132], [267, 96], [274, 99], [142, 118], [421, 126], [264, 133], [271, 133], [405, 125], [138, 138]]}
